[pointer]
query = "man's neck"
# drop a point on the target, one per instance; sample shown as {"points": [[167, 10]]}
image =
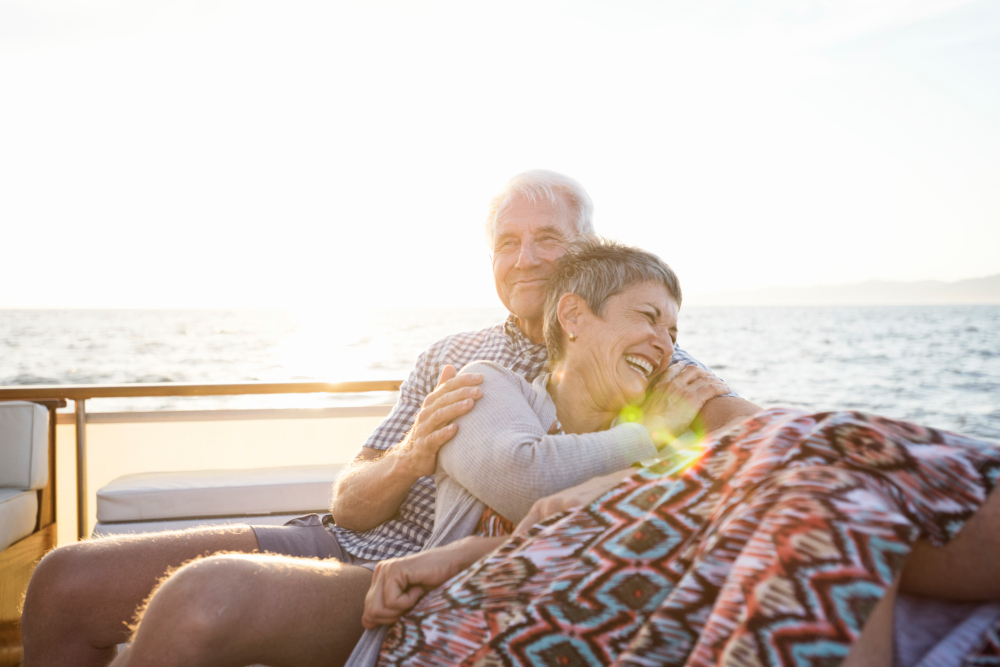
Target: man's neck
{"points": [[533, 330], [576, 408]]}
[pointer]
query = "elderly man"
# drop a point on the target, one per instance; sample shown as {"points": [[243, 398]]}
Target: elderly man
{"points": [[300, 602], [390, 494]]}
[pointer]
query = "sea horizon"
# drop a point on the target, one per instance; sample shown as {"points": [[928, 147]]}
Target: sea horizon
{"points": [[936, 365]]}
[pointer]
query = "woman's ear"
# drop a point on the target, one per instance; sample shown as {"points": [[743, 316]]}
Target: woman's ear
{"points": [[571, 311]]}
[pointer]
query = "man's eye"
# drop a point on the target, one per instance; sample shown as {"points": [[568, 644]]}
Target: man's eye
{"points": [[651, 317]]}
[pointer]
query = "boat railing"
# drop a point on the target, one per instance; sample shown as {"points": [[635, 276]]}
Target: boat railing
{"points": [[81, 393]]}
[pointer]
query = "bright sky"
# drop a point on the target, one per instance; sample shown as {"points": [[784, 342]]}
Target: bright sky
{"points": [[202, 153]]}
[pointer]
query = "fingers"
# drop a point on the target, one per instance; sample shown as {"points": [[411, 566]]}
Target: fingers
{"points": [[455, 389], [679, 376], [690, 374], [534, 516], [698, 391], [455, 396], [434, 425], [678, 398], [545, 507], [389, 596], [373, 598], [449, 408], [671, 373], [435, 437], [447, 373], [709, 388]]}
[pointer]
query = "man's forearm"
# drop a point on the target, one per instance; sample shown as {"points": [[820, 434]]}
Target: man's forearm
{"points": [[371, 490], [725, 411]]}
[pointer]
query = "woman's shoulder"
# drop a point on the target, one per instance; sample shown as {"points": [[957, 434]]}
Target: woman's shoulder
{"points": [[497, 375], [510, 389], [491, 369]]}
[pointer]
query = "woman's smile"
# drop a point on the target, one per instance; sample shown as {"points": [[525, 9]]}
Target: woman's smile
{"points": [[641, 365], [619, 351]]}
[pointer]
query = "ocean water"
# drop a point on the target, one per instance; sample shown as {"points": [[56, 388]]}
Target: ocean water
{"points": [[935, 365]]}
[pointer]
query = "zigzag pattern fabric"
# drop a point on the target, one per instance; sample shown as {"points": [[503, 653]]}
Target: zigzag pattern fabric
{"points": [[771, 549], [988, 652]]}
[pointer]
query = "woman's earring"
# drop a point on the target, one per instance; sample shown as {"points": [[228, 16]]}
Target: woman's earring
{"points": [[572, 336]]}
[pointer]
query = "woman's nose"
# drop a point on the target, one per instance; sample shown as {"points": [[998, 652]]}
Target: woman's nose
{"points": [[664, 343]]}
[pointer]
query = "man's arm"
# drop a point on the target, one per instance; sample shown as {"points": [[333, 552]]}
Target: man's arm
{"points": [[723, 412], [371, 490]]}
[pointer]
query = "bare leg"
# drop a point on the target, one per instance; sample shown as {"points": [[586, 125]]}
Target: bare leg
{"points": [[234, 610], [967, 567], [874, 647], [82, 596]]}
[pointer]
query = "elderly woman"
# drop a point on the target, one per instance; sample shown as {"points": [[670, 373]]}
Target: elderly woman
{"points": [[773, 546], [611, 326]]}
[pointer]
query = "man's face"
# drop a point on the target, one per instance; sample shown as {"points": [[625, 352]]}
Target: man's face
{"points": [[529, 239]]}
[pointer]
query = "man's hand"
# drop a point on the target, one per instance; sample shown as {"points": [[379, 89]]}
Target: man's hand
{"points": [[399, 583], [454, 396], [574, 496], [676, 399], [371, 490]]}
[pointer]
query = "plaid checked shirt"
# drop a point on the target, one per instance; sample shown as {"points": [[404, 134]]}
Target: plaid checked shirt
{"points": [[503, 344]]}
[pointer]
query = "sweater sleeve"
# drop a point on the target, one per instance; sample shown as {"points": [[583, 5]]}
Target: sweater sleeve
{"points": [[503, 455]]}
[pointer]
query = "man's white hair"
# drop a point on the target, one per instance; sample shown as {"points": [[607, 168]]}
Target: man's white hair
{"points": [[544, 185]]}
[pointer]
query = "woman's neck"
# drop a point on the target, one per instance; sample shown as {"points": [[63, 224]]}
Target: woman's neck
{"points": [[576, 408]]}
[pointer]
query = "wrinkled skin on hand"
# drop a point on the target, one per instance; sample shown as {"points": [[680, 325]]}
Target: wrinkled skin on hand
{"points": [[673, 403], [454, 396]]}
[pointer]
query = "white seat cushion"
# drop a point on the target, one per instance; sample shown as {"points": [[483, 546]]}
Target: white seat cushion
{"points": [[18, 514], [217, 493], [133, 527], [24, 445]]}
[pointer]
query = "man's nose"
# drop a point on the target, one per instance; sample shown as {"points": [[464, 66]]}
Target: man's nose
{"points": [[528, 256]]}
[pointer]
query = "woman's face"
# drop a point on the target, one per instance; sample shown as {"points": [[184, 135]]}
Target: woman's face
{"points": [[619, 354]]}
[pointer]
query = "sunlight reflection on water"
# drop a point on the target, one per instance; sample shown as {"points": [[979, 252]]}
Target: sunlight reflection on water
{"points": [[937, 365]]}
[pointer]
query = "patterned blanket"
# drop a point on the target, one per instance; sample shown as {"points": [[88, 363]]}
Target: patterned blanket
{"points": [[771, 548]]}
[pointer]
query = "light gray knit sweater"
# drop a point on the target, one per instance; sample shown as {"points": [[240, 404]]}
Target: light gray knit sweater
{"points": [[504, 458]]}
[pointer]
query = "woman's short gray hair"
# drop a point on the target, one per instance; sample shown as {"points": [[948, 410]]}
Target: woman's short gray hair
{"points": [[544, 185], [596, 269]]}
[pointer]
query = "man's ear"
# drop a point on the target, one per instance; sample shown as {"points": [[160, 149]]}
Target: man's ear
{"points": [[571, 312]]}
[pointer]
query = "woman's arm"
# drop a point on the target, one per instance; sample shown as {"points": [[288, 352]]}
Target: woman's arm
{"points": [[503, 455], [571, 498]]}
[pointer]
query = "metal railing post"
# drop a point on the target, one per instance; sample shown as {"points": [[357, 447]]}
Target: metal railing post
{"points": [[81, 469]]}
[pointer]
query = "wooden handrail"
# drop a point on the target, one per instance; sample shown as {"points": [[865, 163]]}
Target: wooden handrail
{"points": [[79, 392]]}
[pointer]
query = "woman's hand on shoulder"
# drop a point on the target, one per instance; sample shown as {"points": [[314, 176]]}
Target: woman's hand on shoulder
{"points": [[676, 399], [574, 496]]}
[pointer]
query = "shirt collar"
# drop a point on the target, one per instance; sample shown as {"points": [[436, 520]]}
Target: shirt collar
{"points": [[518, 340]]}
